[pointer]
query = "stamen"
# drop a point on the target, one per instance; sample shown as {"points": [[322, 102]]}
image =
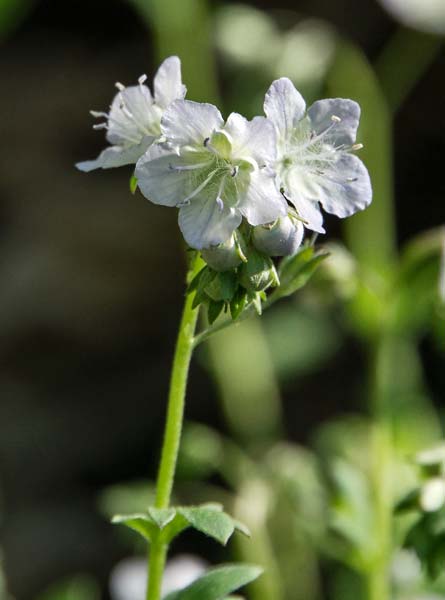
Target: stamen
{"points": [[335, 119], [357, 147], [235, 171], [142, 79], [120, 86], [189, 167], [220, 203], [206, 141], [352, 179], [100, 126], [97, 114]]}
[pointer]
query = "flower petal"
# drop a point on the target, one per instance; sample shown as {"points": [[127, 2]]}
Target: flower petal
{"points": [[309, 211], [188, 123], [167, 83], [205, 223], [261, 202], [158, 179], [284, 106], [117, 156], [346, 188], [132, 116], [342, 132], [252, 139]]}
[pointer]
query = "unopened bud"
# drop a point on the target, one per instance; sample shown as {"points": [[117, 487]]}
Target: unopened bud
{"points": [[282, 238], [225, 256], [258, 273]]}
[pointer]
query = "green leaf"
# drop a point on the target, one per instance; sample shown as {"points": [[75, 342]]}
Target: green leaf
{"points": [[211, 521], [223, 286], [217, 583], [133, 184], [214, 310], [162, 516], [298, 274], [193, 285], [238, 303], [141, 523]]}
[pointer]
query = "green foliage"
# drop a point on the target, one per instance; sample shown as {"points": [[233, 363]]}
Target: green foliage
{"points": [[295, 271], [79, 587], [133, 184], [166, 524], [217, 583]]}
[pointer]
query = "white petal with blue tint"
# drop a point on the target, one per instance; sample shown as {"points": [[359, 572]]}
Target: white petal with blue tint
{"points": [[167, 84], [188, 123], [251, 139], [205, 222], [163, 176], [336, 119], [346, 189], [262, 202], [284, 106], [116, 156]]}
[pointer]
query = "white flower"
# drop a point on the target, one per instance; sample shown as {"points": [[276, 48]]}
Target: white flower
{"points": [[133, 122], [215, 172], [314, 163]]}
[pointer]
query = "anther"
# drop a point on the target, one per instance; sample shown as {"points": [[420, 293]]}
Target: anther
{"points": [[142, 79], [97, 114], [100, 126], [335, 119], [220, 204], [206, 141], [234, 172], [352, 179], [357, 146], [119, 86]]}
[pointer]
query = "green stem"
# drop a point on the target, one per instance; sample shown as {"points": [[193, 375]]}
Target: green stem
{"points": [[173, 430]]}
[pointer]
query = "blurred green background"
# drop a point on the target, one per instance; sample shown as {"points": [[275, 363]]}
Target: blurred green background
{"points": [[92, 285]]}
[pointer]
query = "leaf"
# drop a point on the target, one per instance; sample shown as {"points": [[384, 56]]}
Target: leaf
{"points": [[162, 516], [193, 285], [295, 275], [217, 583], [141, 523], [214, 310], [133, 184], [238, 303], [211, 521]]}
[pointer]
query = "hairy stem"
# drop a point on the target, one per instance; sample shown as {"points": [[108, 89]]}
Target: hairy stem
{"points": [[173, 430]]}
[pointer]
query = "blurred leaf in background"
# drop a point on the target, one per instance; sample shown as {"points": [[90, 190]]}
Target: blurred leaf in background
{"points": [[79, 587], [12, 13]]}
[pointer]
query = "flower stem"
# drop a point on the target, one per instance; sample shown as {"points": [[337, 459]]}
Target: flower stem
{"points": [[173, 430]]}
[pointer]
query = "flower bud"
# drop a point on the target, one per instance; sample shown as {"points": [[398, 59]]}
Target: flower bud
{"points": [[227, 255], [281, 238], [258, 273]]}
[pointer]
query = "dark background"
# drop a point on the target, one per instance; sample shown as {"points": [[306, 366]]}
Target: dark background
{"points": [[91, 279]]}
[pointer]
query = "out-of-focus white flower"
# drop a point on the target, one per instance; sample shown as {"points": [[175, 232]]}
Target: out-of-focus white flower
{"points": [[128, 579], [216, 173], [426, 15], [432, 494], [133, 122], [314, 163]]}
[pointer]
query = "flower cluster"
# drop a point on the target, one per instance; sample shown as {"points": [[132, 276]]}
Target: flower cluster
{"points": [[243, 188]]}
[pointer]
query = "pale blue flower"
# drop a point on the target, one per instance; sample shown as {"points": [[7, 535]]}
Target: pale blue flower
{"points": [[216, 173], [314, 163], [133, 122]]}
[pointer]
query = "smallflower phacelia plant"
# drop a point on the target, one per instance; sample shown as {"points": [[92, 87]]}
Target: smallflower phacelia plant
{"points": [[245, 191]]}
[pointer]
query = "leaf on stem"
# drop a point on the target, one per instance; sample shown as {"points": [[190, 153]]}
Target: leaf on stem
{"points": [[217, 583]]}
